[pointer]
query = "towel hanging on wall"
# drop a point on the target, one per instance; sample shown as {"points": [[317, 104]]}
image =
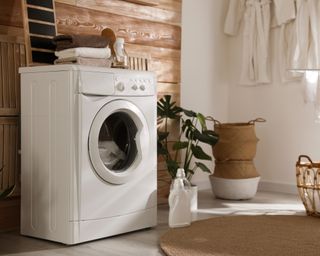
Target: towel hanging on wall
{"points": [[256, 15], [284, 18]]}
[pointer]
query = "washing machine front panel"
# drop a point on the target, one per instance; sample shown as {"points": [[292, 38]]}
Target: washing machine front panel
{"points": [[118, 140]]}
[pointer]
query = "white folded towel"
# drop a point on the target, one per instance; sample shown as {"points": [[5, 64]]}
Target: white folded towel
{"points": [[87, 52], [98, 62]]}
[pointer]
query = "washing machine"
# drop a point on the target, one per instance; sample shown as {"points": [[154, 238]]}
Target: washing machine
{"points": [[88, 152]]}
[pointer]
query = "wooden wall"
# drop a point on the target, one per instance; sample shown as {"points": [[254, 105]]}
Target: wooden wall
{"points": [[154, 29]]}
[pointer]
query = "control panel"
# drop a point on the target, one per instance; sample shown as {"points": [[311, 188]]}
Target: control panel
{"points": [[134, 83]]}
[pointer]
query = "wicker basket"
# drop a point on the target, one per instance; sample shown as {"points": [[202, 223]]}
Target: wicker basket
{"points": [[308, 183]]}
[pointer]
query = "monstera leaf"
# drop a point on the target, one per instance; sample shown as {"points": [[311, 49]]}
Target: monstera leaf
{"points": [[7, 192], [193, 134], [168, 109]]}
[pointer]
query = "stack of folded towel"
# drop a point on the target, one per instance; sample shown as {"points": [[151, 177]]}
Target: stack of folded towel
{"points": [[83, 50]]}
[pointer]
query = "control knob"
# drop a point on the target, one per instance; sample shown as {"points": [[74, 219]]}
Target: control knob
{"points": [[120, 86]]}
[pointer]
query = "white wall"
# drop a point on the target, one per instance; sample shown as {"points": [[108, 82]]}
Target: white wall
{"points": [[211, 64], [290, 129], [204, 87]]}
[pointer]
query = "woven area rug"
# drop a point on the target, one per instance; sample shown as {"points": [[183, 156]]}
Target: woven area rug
{"points": [[246, 236]]}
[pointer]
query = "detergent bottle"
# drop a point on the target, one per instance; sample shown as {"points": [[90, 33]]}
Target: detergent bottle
{"points": [[179, 201], [121, 56]]}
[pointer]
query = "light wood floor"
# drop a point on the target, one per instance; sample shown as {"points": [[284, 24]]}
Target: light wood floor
{"points": [[145, 242]]}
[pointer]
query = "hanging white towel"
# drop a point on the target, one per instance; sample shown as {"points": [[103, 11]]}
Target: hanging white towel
{"points": [[86, 52], [256, 43], [234, 16], [284, 16], [306, 50], [285, 11], [312, 91], [256, 16]]}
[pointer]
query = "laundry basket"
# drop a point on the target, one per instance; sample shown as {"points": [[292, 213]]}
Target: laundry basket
{"points": [[308, 183]]}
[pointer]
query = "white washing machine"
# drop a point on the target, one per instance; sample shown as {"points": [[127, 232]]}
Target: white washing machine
{"points": [[88, 145]]}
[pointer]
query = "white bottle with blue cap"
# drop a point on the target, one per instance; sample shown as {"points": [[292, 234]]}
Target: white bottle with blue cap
{"points": [[179, 201]]}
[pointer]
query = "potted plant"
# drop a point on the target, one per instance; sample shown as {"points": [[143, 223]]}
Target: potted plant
{"points": [[7, 192], [186, 150]]}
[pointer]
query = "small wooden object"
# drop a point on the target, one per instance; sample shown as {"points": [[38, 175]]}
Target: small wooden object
{"points": [[40, 27], [308, 183], [139, 62]]}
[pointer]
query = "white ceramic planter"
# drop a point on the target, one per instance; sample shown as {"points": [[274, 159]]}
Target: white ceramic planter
{"points": [[234, 189]]}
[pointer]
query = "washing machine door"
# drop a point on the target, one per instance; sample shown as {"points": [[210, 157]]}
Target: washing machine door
{"points": [[118, 142]]}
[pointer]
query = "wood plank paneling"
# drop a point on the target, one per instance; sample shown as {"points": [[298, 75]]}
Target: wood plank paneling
{"points": [[12, 57], [10, 13], [143, 2], [164, 181], [168, 71], [130, 9], [174, 5], [163, 61], [9, 139], [11, 31], [154, 52], [10, 213], [86, 21], [72, 2]]}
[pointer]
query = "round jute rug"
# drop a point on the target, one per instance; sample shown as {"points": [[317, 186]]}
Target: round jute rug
{"points": [[246, 236]]}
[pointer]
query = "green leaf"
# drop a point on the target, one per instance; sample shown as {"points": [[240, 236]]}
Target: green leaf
{"points": [[168, 109], [188, 128], [187, 171], [180, 145], [202, 121], [205, 137], [161, 150], [189, 113], [7, 192], [199, 153], [172, 167], [162, 135], [186, 124], [213, 135], [203, 167]]}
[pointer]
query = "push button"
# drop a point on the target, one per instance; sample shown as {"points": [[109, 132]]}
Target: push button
{"points": [[134, 87], [142, 87]]}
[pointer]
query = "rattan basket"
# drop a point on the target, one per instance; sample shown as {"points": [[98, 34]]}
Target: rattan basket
{"points": [[308, 183]]}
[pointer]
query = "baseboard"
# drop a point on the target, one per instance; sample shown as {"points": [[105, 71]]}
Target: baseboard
{"points": [[267, 186], [270, 186]]}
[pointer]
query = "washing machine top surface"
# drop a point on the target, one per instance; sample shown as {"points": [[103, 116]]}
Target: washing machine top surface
{"points": [[104, 81]]}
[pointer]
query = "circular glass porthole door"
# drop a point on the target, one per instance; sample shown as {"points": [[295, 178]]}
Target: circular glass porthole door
{"points": [[118, 141]]}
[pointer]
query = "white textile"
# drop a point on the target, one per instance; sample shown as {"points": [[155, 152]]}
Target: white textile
{"points": [[312, 90], [306, 50], [256, 13], [285, 11], [234, 16], [110, 153], [86, 52], [256, 43]]}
